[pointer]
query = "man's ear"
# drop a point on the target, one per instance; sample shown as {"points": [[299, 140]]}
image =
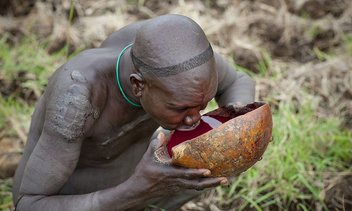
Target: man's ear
{"points": [[137, 82]]}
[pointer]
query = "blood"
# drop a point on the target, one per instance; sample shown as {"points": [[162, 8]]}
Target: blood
{"points": [[204, 126], [251, 106]]}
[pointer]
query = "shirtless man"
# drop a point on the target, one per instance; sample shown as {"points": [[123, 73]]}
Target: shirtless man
{"points": [[89, 142]]}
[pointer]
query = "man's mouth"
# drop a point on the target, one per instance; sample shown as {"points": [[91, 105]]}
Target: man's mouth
{"points": [[188, 127]]}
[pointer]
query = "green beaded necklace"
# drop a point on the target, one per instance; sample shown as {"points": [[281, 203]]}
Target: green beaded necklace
{"points": [[118, 80]]}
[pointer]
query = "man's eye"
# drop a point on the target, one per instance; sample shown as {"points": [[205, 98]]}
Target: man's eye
{"points": [[181, 109]]}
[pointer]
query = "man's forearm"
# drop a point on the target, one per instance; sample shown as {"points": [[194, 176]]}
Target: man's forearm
{"points": [[121, 197], [233, 86], [57, 202], [241, 91]]}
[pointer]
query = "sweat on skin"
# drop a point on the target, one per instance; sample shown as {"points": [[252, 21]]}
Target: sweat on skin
{"points": [[88, 148]]}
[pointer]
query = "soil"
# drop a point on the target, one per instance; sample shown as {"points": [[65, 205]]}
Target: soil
{"points": [[339, 194], [295, 36]]}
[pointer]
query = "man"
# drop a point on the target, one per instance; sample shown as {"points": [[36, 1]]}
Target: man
{"points": [[88, 147]]}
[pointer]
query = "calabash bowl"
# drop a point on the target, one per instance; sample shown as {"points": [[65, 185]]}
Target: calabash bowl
{"points": [[226, 148]]}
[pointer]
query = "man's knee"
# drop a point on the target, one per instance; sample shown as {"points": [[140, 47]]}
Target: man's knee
{"points": [[173, 202]]}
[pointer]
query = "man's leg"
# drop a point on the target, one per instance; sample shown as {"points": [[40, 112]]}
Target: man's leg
{"points": [[174, 202]]}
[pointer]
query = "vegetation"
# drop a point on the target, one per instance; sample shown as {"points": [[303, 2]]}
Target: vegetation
{"points": [[309, 88]]}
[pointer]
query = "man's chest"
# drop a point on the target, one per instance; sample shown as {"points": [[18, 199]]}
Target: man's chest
{"points": [[110, 138]]}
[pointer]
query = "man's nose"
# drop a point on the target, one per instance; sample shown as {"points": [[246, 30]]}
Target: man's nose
{"points": [[192, 116]]}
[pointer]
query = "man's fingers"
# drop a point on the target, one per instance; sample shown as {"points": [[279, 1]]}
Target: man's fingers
{"points": [[185, 173], [200, 184]]}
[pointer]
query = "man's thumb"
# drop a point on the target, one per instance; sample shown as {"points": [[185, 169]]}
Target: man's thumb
{"points": [[160, 151], [158, 142]]}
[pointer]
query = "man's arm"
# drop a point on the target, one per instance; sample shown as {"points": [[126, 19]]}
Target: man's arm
{"points": [[233, 87], [68, 115]]}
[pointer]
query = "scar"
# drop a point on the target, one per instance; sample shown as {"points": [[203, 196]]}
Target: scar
{"points": [[77, 76], [126, 128], [73, 109]]}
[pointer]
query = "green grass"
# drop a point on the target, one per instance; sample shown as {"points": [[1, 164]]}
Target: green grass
{"points": [[28, 63], [347, 38], [304, 151], [17, 114], [5, 194], [265, 65]]}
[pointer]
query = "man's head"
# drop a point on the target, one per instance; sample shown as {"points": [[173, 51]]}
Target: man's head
{"points": [[176, 74], [169, 40]]}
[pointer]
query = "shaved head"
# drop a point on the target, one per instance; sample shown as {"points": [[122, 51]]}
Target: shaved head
{"points": [[170, 44]]}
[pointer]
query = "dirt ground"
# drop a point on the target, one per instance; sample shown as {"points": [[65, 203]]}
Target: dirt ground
{"points": [[305, 40]]}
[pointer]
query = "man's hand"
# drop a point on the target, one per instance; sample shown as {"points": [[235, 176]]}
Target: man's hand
{"points": [[158, 180]]}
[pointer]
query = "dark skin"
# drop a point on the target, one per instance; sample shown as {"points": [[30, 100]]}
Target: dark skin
{"points": [[89, 149]]}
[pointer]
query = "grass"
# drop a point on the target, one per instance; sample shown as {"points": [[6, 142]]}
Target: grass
{"points": [[265, 65], [5, 194], [28, 64], [347, 38], [15, 117]]}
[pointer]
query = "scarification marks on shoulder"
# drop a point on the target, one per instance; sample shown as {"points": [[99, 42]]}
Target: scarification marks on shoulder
{"points": [[73, 109], [77, 76]]}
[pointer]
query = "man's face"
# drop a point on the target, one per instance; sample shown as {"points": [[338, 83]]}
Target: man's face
{"points": [[175, 101]]}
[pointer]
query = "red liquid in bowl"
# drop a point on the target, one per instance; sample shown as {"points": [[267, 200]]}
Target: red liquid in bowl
{"points": [[207, 122]]}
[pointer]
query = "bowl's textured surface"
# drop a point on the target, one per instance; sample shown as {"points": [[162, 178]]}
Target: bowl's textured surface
{"points": [[228, 149]]}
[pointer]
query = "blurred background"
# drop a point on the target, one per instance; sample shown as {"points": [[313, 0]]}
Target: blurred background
{"points": [[298, 52]]}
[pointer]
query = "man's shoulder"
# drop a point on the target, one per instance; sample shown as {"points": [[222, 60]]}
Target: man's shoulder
{"points": [[78, 81]]}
